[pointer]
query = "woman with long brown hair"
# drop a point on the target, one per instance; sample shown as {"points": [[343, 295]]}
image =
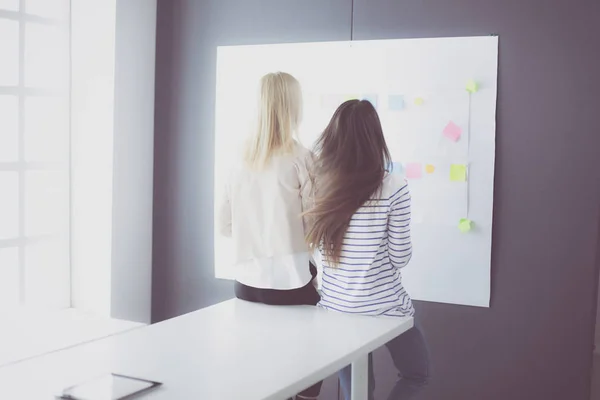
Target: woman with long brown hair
{"points": [[360, 231]]}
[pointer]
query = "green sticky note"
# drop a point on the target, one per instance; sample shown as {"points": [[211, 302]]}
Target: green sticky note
{"points": [[465, 225], [458, 173], [472, 86]]}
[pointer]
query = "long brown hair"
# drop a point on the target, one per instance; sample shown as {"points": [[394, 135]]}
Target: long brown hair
{"points": [[351, 162]]}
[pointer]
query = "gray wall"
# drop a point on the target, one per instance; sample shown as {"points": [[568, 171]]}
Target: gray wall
{"points": [[131, 278], [535, 342]]}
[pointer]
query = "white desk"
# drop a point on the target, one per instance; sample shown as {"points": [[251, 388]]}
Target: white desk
{"points": [[28, 334], [231, 351]]}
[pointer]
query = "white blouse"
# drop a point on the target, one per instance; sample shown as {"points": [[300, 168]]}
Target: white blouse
{"points": [[261, 212]]}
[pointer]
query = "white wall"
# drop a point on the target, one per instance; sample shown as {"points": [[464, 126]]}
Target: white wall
{"points": [[133, 163], [92, 109], [113, 48]]}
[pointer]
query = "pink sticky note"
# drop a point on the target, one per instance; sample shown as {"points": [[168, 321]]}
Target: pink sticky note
{"points": [[414, 171], [452, 131]]}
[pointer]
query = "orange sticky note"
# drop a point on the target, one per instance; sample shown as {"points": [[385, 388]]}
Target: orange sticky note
{"points": [[429, 168]]}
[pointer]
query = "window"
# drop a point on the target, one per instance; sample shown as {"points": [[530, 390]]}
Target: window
{"points": [[34, 154]]}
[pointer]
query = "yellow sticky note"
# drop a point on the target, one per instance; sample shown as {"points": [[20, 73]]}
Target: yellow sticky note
{"points": [[465, 225], [472, 86], [350, 97], [419, 101], [429, 168], [458, 173]]}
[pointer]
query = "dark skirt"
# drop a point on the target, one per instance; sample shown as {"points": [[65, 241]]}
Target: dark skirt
{"points": [[305, 295]]}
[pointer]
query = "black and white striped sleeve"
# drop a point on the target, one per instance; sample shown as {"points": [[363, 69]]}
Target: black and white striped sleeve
{"points": [[399, 240]]}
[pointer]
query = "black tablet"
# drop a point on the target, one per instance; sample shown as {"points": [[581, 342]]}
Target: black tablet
{"points": [[109, 387]]}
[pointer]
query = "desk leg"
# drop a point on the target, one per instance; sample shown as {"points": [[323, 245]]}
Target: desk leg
{"points": [[359, 386]]}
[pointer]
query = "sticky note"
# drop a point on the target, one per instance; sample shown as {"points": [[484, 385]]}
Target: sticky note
{"points": [[458, 173], [413, 171], [396, 168], [472, 86], [371, 98], [452, 131], [465, 225], [350, 97], [429, 168], [419, 101], [396, 102]]}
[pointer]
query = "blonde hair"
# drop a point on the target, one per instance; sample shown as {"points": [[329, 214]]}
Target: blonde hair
{"points": [[279, 114]]}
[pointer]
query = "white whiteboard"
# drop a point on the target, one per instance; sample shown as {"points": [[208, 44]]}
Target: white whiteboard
{"points": [[419, 87]]}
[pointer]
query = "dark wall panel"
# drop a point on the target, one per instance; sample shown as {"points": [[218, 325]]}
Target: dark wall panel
{"points": [[535, 340]]}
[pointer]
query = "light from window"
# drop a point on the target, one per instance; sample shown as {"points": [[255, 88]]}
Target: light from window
{"points": [[9, 5], [9, 277], [56, 9], [46, 203], [9, 205], [9, 51], [46, 56], [34, 154], [46, 129], [46, 265], [9, 138]]}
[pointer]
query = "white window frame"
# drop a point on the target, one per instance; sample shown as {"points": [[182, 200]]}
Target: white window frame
{"points": [[112, 105], [21, 166]]}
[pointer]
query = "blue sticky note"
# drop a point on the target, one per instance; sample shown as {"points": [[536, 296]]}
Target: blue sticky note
{"points": [[371, 98], [396, 168], [396, 102]]}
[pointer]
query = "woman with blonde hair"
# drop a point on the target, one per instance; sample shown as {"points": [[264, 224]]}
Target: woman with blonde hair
{"points": [[262, 207]]}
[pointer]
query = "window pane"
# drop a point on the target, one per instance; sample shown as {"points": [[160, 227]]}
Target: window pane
{"points": [[46, 129], [9, 205], [10, 5], [9, 52], [48, 8], [9, 277], [47, 274], [46, 56], [9, 128], [46, 202]]}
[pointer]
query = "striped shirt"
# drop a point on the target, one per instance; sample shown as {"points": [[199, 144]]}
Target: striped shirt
{"points": [[376, 246]]}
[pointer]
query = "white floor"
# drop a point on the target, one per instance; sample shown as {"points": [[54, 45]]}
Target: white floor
{"points": [[26, 335]]}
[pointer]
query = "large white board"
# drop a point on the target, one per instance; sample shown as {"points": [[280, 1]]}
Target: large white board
{"points": [[441, 136]]}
